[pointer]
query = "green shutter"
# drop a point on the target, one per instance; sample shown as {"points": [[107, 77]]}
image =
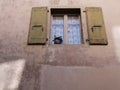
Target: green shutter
{"points": [[96, 27], [38, 26]]}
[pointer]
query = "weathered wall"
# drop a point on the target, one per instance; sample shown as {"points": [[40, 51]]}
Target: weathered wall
{"points": [[14, 27]]}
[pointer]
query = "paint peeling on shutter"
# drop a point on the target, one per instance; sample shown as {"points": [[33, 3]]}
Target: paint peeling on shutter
{"points": [[38, 26], [96, 27]]}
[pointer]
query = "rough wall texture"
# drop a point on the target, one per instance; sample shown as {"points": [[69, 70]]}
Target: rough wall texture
{"points": [[14, 27]]}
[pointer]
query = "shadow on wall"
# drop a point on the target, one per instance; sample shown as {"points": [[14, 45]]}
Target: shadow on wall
{"points": [[30, 79]]}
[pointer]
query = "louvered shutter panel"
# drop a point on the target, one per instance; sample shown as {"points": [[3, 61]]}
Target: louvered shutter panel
{"points": [[96, 27], [38, 26]]}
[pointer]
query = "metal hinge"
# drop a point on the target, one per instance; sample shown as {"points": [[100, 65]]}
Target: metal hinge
{"points": [[84, 11], [87, 40]]}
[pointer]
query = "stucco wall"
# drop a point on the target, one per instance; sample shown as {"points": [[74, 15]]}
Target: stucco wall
{"points": [[14, 28]]}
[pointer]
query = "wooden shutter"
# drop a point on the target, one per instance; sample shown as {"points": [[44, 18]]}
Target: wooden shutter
{"points": [[96, 27], [38, 26]]}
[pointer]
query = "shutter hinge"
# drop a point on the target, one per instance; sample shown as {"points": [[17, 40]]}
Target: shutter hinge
{"points": [[87, 40], [84, 11], [46, 39]]}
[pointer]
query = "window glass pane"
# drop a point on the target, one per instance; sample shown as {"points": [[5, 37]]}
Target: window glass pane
{"points": [[74, 31], [57, 28]]}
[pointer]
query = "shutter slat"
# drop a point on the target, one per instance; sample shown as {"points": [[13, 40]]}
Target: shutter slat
{"points": [[96, 27], [38, 26]]}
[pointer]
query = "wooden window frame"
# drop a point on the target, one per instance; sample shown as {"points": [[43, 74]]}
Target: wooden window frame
{"points": [[65, 16]]}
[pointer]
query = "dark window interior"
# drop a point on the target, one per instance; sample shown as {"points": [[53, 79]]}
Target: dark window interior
{"points": [[65, 11]]}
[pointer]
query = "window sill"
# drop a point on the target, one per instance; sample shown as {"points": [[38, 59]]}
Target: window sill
{"points": [[68, 45]]}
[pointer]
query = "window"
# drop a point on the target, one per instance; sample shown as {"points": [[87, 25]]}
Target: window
{"points": [[66, 26]]}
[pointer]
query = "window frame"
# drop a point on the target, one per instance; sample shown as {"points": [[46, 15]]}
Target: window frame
{"points": [[65, 16]]}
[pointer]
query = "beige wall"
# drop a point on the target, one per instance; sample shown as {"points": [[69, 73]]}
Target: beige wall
{"points": [[14, 23], [14, 27]]}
